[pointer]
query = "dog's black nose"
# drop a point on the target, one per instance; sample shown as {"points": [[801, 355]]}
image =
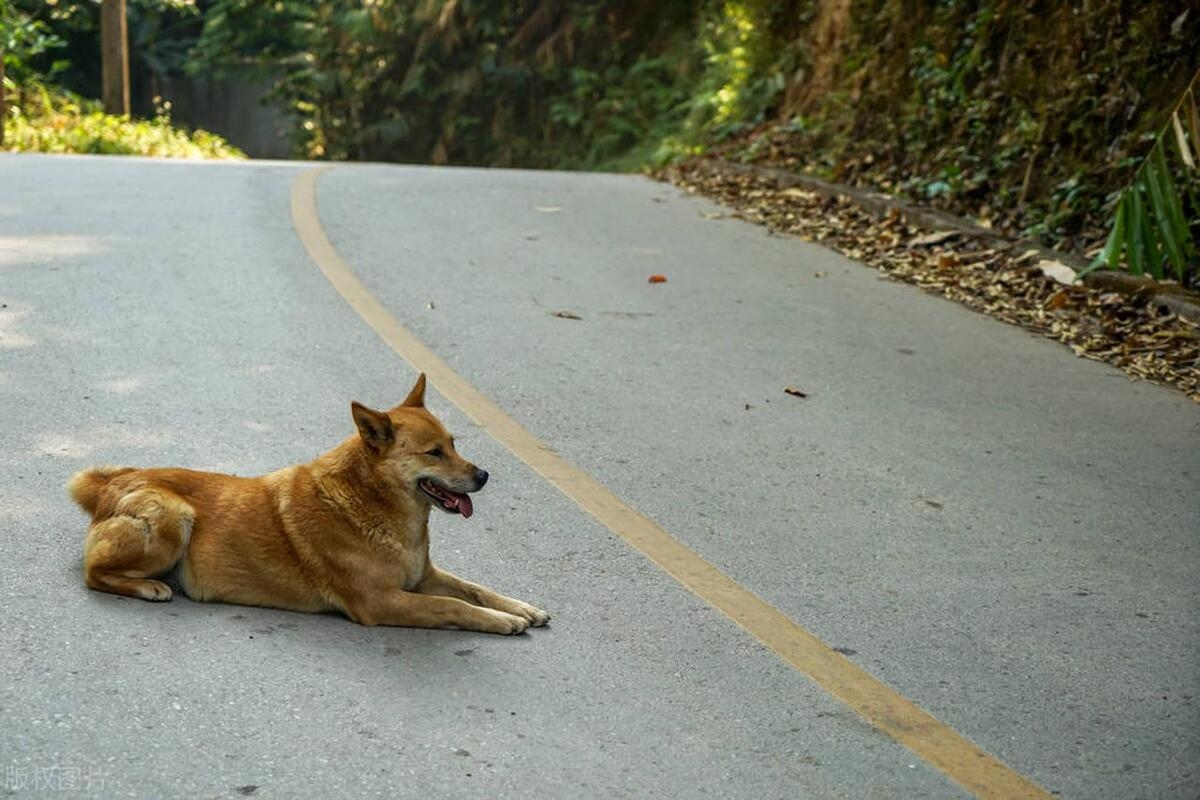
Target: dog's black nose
{"points": [[481, 477]]}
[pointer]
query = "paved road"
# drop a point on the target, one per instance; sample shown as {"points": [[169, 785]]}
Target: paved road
{"points": [[1002, 533]]}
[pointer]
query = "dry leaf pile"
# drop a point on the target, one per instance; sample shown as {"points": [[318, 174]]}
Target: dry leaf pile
{"points": [[1127, 331]]}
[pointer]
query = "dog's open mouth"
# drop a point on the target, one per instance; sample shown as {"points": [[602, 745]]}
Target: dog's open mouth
{"points": [[453, 502]]}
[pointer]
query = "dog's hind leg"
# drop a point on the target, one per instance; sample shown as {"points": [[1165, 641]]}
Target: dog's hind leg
{"points": [[146, 536]]}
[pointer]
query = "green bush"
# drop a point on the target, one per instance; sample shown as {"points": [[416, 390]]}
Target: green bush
{"points": [[56, 122]]}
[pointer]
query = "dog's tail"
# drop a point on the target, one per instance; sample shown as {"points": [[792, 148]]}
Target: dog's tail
{"points": [[85, 487]]}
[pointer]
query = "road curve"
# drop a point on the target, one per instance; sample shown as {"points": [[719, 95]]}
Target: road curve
{"points": [[999, 532]]}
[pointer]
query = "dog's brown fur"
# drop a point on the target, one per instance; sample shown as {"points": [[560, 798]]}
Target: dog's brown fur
{"points": [[347, 532]]}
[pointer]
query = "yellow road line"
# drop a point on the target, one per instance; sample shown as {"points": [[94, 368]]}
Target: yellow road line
{"points": [[954, 755]]}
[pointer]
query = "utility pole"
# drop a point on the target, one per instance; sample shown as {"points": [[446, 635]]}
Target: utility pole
{"points": [[3, 100], [3, 38], [114, 56]]}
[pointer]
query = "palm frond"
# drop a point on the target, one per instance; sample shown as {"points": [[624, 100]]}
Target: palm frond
{"points": [[1156, 224]]}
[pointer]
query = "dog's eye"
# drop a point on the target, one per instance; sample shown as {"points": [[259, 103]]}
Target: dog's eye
{"points": [[435, 452]]}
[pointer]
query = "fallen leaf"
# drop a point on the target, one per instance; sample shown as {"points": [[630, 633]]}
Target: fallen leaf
{"points": [[658, 279], [818, 274], [930, 239], [794, 392], [1056, 270], [712, 214], [565, 315], [1057, 300]]}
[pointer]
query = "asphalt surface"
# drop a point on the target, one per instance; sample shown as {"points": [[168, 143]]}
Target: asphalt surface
{"points": [[1007, 535]]}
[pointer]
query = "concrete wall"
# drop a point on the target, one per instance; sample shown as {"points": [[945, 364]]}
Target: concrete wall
{"points": [[233, 108]]}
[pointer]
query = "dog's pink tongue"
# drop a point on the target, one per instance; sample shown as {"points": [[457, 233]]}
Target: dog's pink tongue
{"points": [[464, 505]]}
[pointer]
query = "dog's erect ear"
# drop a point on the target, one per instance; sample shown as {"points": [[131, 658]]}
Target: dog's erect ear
{"points": [[375, 427], [416, 398]]}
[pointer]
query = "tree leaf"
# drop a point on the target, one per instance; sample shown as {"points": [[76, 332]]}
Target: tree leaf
{"points": [[1183, 235], [1137, 256], [1111, 255], [1193, 119], [1181, 142], [1161, 209], [1150, 240]]}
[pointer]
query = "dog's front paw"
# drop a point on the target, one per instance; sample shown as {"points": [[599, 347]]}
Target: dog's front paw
{"points": [[505, 624], [534, 615]]}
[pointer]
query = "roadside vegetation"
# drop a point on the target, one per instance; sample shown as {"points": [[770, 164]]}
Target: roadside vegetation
{"points": [[1031, 119], [53, 121], [39, 115], [1048, 122]]}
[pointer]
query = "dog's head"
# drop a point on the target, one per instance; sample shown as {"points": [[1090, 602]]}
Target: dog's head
{"points": [[413, 449]]}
